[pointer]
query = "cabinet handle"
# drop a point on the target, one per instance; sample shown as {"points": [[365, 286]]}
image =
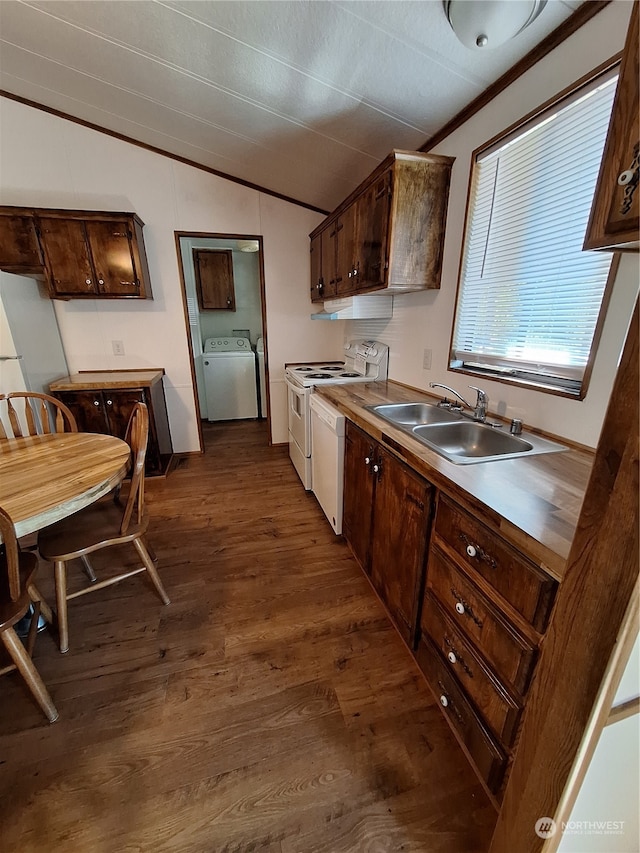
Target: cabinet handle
{"points": [[474, 550], [87, 281], [444, 701], [109, 402], [463, 607], [96, 402], [367, 461], [100, 281]]}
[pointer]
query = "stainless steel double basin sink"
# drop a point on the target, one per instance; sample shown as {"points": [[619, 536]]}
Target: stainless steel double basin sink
{"points": [[458, 438]]}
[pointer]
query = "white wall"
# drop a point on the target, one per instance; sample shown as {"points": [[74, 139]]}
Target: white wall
{"points": [[46, 161], [424, 320]]}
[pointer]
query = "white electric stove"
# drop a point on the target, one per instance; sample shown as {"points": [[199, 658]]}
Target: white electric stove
{"points": [[364, 361]]}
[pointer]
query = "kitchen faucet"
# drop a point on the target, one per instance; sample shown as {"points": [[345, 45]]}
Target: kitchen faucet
{"points": [[480, 408]]}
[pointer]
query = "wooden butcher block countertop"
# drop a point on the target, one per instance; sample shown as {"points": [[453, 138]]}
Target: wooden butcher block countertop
{"points": [[532, 502], [89, 380]]}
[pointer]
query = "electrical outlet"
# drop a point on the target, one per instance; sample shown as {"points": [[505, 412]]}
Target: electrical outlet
{"points": [[426, 360], [118, 347]]}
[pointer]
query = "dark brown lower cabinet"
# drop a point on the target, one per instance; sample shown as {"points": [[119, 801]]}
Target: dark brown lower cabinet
{"points": [[471, 607], [387, 510], [107, 411]]}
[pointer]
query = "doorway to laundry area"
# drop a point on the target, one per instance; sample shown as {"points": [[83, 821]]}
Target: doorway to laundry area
{"points": [[224, 300]]}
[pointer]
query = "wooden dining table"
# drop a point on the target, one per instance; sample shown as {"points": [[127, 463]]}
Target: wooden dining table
{"points": [[44, 478]]}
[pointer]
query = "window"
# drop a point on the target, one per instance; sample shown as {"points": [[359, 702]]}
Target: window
{"points": [[529, 298]]}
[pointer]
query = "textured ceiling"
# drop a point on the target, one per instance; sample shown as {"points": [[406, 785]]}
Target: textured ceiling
{"points": [[302, 98]]}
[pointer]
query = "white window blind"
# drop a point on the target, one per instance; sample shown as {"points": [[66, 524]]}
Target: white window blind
{"points": [[529, 297]]}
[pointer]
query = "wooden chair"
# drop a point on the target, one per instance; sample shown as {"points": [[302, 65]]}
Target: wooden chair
{"points": [[30, 413], [103, 525], [17, 593]]}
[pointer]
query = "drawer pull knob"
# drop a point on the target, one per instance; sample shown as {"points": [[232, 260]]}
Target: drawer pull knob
{"points": [[96, 402], [474, 550], [464, 608], [367, 460], [444, 701], [454, 656]]}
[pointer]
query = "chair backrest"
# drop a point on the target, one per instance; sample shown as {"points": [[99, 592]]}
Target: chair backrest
{"points": [[10, 543], [136, 437], [30, 413]]}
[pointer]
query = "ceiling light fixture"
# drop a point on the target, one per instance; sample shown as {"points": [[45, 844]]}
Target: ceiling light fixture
{"points": [[248, 245], [490, 23]]}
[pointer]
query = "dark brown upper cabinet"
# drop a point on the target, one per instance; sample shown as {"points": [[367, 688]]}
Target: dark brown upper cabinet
{"points": [[614, 223], [389, 233], [214, 279], [19, 248], [80, 254]]}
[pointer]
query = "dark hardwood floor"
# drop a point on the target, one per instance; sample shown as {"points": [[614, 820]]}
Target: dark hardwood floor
{"points": [[269, 707]]}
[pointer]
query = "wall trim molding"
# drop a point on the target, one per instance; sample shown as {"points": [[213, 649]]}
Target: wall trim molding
{"points": [[155, 150]]}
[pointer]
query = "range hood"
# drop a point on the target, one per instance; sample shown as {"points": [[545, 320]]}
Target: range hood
{"points": [[370, 306]]}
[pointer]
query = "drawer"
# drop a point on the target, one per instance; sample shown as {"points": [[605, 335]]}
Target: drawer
{"points": [[526, 587], [500, 710], [510, 653], [488, 757]]}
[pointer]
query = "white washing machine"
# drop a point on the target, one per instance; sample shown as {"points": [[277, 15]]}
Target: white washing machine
{"points": [[261, 377], [230, 379]]}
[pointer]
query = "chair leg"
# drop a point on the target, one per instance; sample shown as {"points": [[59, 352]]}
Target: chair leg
{"points": [[88, 568], [60, 572], [27, 670], [151, 570], [150, 550], [35, 596]]}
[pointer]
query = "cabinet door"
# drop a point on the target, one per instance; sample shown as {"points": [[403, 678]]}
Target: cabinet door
{"points": [[88, 409], [615, 215], [315, 256], [111, 244], [67, 256], [330, 261], [373, 210], [346, 269], [401, 516], [19, 250], [214, 279], [358, 492]]}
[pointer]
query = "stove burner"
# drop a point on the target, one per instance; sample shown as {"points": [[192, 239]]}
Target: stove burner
{"points": [[350, 375], [318, 376], [303, 369], [333, 367]]}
